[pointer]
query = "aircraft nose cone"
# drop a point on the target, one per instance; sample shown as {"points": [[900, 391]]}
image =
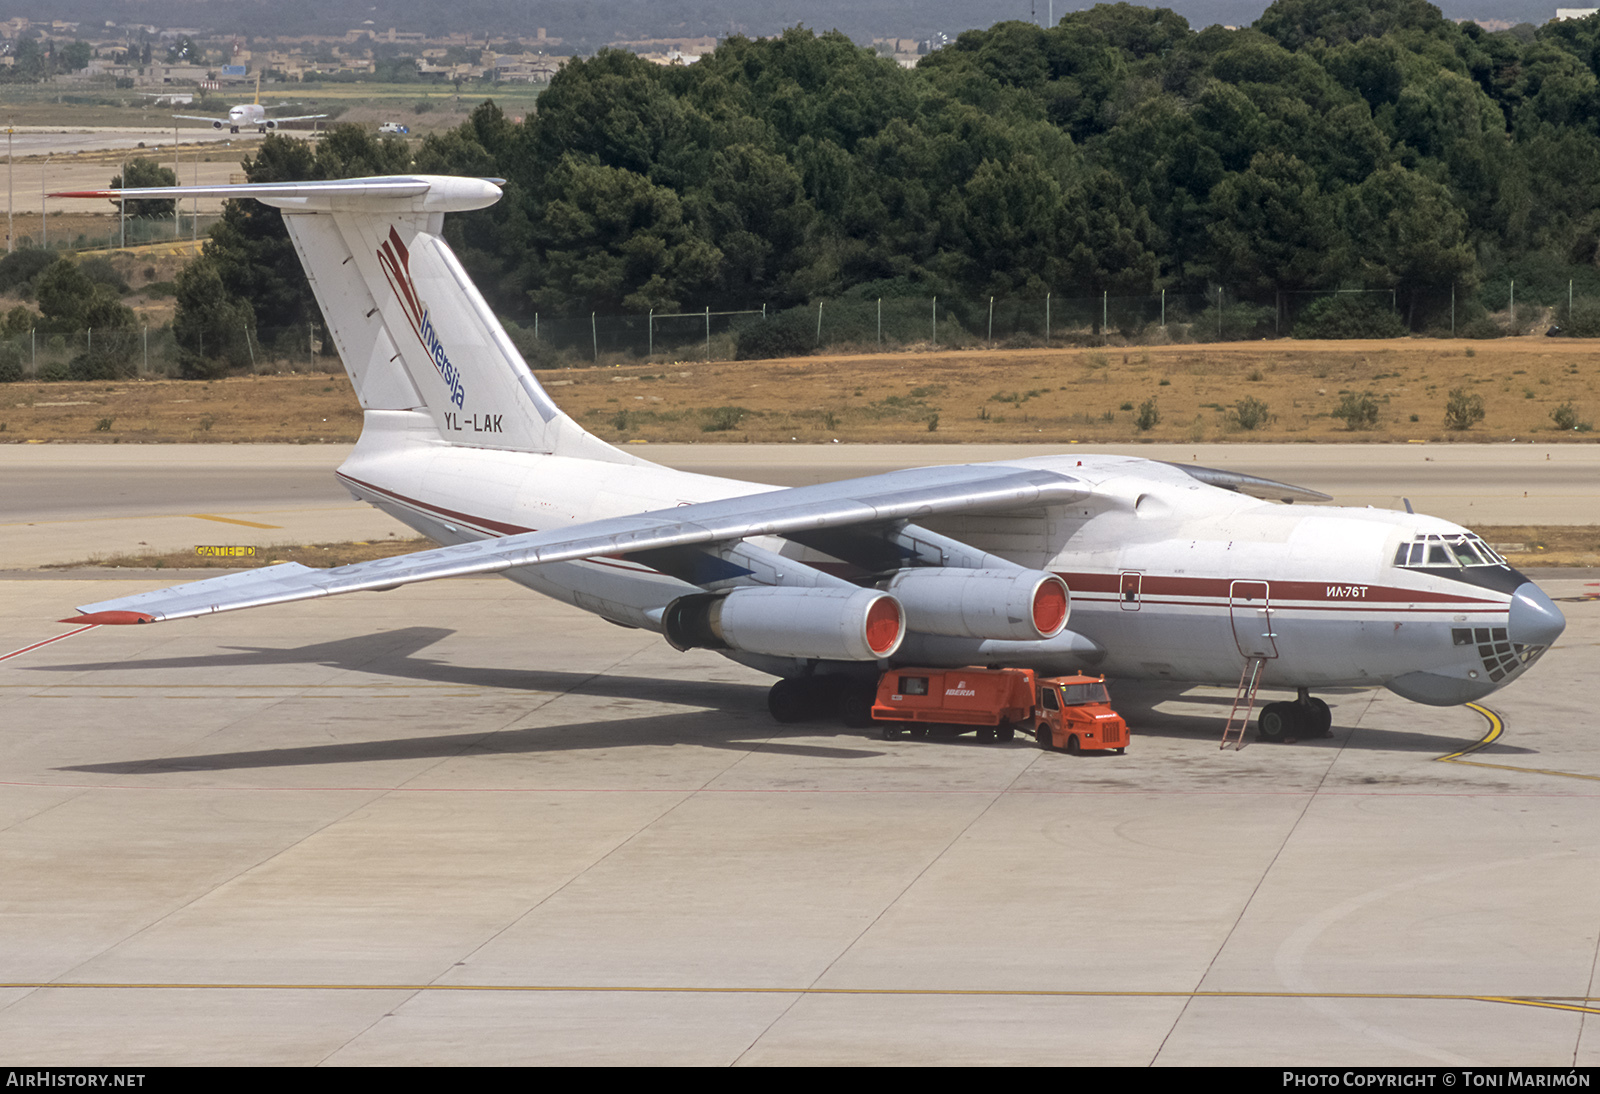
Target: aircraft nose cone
{"points": [[1535, 621]]}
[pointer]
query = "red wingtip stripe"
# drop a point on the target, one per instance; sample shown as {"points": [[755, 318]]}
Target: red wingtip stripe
{"points": [[86, 194], [111, 618]]}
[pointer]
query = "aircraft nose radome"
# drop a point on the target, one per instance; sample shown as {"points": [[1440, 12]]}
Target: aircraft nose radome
{"points": [[1535, 621]]}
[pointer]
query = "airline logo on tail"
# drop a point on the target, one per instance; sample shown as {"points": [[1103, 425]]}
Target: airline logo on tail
{"points": [[396, 263]]}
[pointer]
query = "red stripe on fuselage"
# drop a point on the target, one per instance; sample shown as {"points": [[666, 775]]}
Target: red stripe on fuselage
{"points": [[479, 523], [1156, 586], [494, 528]]}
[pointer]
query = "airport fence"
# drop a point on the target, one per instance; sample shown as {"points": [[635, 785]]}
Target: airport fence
{"points": [[156, 353], [855, 323], [113, 233], [845, 324]]}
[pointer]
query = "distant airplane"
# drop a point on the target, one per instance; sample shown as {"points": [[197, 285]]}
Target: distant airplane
{"points": [[251, 113], [1176, 573]]}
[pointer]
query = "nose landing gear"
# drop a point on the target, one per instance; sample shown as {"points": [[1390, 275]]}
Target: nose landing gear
{"points": [[1307, 716]]}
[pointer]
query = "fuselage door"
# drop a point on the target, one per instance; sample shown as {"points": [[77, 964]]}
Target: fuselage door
{"points": [[1130, 588], [1251, 612]]}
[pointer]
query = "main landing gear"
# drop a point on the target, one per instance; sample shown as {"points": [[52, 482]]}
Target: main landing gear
{"points": [[811, 698], [1305, 717]]}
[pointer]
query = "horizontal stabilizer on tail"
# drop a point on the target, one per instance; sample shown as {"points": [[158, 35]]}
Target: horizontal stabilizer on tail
{"points": [[417, 193]]}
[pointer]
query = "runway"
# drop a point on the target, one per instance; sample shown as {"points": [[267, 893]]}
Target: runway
{"points": [[208, 157], [459, 824]]}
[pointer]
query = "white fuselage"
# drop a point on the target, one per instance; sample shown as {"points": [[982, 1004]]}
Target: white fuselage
{"points": [[1170, 577], [247, 114]]}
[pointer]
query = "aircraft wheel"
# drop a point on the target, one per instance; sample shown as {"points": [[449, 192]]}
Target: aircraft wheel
{"points": [[1321, 718], [1276, 722], [789, 701], [856, 708], [1073, 748]]}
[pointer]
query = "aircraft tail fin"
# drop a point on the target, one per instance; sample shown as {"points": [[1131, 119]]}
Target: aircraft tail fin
{"points": [[413, 331]]}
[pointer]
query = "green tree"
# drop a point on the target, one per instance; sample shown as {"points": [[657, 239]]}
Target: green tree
{"points": [[1297, 23], [210, 322], [1408, 233], [69, 301], [1274, 228], [612, 241], [144, 172], [75, 55]]}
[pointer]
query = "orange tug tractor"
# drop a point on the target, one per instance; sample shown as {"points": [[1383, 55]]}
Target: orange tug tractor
{"points": [[1063, 712]]}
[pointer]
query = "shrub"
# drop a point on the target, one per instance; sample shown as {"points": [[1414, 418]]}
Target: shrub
{"points": [[787, 334], [1350, 315], [1481, 327], [1584, 321], [19, 268], [1462, 411], [100, 271], [1148, 417], [10, 364], [1251, 413], [1566, 418], [723, 418], [1358, 411], [1239, 321], [98, 364]]}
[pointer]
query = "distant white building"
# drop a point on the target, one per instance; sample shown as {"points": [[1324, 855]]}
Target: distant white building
{"points": [[1575, 13]]}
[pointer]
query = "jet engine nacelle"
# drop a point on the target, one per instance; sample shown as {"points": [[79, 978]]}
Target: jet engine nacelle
{"points": [[269, 123], [1019, 605], [216, 125], [830, 624]]}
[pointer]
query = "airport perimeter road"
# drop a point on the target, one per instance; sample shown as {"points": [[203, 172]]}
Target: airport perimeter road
{"points": [[208, 157], [460, 824], [65, 502]]}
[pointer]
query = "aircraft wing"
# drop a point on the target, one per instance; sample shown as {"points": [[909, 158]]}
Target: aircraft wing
{"points": [[296, 118], [898, 495], [198, 118]]}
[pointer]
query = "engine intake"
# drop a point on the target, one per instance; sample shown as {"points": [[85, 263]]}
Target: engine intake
{"points": [[829, 624], [1017, 605]]}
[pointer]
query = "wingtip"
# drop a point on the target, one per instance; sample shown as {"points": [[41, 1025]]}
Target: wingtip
{"points": [[110, 619]]}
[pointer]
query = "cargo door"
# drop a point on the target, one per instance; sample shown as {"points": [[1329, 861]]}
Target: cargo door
{"points": [[1250, 609]]}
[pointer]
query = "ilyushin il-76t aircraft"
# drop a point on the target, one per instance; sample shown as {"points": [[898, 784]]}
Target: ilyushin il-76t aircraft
{"points": [[1130, 567]]}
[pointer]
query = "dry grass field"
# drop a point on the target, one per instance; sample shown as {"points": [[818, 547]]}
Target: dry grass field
{"points": [[1049, 396], [1052, 396]]}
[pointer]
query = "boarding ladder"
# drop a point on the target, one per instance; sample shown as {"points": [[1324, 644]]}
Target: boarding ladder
{"points": [[1249, 682]]}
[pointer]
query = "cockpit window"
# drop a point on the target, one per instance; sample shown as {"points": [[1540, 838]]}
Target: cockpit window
{"points": [[1458, 550]]}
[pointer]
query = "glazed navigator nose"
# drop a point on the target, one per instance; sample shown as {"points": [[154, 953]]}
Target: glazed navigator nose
{"points": [[1534, 619]]}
